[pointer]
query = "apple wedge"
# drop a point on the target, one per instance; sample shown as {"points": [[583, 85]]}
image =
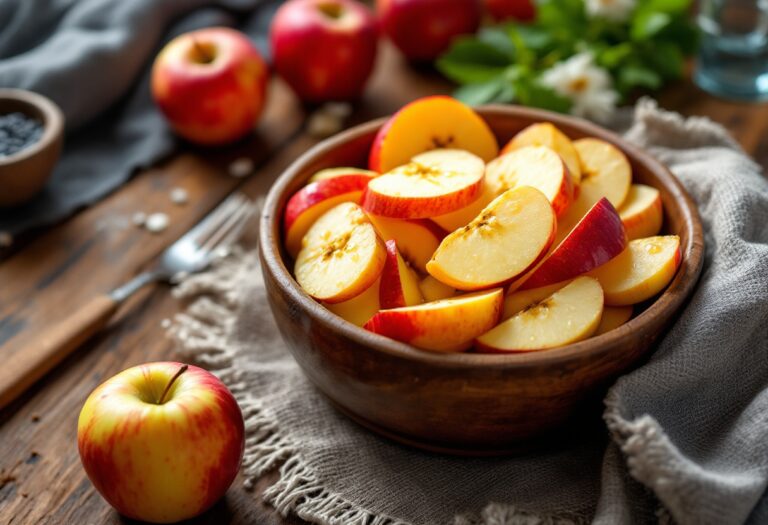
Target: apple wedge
{"points": [[642, 212], [448, 325], [505, 240], [434, 290], [458, 219], [569, 315], [641, 271], [417, 239], [605, 171], [430, 123], [546, 134], [313, 200], [536, 166], [595, 240], [613, 317], [399, 283], [518, 301], [432, 183], [332, 173], [360, 308], [342, 255]]}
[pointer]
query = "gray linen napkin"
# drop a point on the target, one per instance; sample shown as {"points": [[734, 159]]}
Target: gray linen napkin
{"points": [[688, 430]]}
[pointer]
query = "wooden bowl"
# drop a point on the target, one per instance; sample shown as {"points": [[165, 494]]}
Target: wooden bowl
{"points": [[23, 174], [464, 403]]}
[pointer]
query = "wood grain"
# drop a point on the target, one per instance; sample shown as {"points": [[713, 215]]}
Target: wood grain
{"points": [[41, 480]]}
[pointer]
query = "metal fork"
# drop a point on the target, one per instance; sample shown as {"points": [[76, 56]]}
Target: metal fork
{"points": [[191, 253]]}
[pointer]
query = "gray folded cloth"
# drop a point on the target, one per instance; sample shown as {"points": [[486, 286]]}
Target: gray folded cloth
{"points": [[684, 437], [93, 58]]}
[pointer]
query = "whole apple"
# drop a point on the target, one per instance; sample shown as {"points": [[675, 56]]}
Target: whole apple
{"points": [[211, 84], [423, 29], [161, 442], [522, 10], [324, 49]]}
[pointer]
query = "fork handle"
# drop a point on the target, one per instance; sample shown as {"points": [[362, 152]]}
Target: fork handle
{"points": [[50, 347]]}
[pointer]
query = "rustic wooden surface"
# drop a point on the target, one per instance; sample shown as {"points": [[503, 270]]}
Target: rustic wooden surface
{"points": [[41, 480]]}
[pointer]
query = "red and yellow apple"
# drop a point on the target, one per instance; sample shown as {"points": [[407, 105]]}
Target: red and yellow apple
{"points": [[417, 239], [161, 442], [458, 219], [434, 290], [546, 134], [211, 85], [605, 171], [360, 308], [642, 212], [332, 173], [399, 283], [324, 49]]}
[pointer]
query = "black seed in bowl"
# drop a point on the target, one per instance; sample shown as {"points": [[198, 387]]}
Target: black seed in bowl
{"points": [[18, 131]]}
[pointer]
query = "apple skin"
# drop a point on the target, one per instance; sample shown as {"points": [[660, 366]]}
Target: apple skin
{"points": [[161, 463], [324, 49], [522, 10], [216, 102], [399, 285], [423, 29], [596, 239]]}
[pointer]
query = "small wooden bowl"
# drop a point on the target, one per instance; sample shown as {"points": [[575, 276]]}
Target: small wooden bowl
{"points": [[23, 174], [464, 403]]}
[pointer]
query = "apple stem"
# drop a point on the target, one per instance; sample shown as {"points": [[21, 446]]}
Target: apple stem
{"points": [[205, 56], [180, 371]]}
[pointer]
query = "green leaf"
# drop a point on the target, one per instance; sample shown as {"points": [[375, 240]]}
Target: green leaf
{"points": [[497, 38], [544, 97], [613, 57], [483, 93], [668, 6], [535, 38], [648, 24], [631, 76], [666, 58], [471, 61]]}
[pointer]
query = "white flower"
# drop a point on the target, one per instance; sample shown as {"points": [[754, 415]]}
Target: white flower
{"points": [[614, 10], [588, 86]]}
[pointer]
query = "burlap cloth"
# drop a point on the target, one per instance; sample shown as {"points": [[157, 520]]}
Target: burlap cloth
{"points": [[686, 435]]}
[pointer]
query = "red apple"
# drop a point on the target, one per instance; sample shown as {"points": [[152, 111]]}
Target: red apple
{"points": [[161, 442], [522, 10], [324, 49], [399, 283], [423, 29], [596, 239], [210, 84]]}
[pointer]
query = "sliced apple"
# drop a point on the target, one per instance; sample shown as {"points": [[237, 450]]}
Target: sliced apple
{"points": [[546, 134], [448, 325], [457, 219], [341, 256], [417, 239], [434, 290], [518, 301], [313, 200], [430, 123], [536, 166], [569, 315], [613, 317], [605, 171], [595, 240], [432, 183], [642, 212], [360, 308], [641, 271], [332, 173], [399, 283], [505, 240]]}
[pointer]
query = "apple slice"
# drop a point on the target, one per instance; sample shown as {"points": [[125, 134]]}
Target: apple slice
{"points": [[313, 200], [508, 237], [642, 212], [417, 239], [399, 283], [342, 255], [595, 240], [569, 315], [518, 301], [432, 183], [641, 271], [361, 307], [458, 219], [536, 166], [434, 290], [546, 134], [613, 317], [332, 173], [605, 171], [429, 123], [448, 325]]}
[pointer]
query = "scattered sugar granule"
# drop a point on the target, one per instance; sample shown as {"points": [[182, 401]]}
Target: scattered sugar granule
{"points": [[157, 222], [179, 196], [139, 218], [6, 239], [241, 167]]}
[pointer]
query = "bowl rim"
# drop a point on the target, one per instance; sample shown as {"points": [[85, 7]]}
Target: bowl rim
{"points": [[665, 305], [53, 123]]}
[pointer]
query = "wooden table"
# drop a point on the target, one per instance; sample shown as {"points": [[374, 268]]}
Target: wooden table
{"points": [[41, 479]]}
